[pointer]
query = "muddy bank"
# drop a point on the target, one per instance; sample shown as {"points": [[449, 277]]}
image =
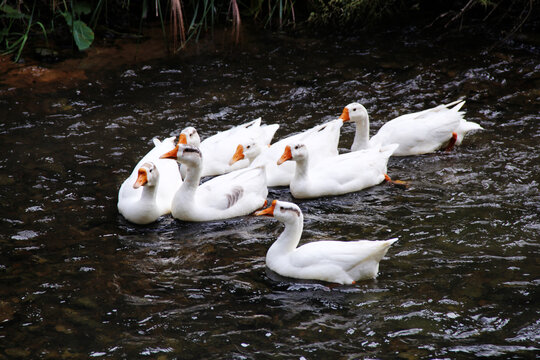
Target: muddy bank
{"points": [[35, 76]]}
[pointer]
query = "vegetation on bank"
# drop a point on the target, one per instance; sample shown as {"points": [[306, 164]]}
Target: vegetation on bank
{"points": [[75, 24]]}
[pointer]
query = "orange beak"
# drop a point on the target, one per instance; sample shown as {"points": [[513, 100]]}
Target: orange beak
{"points": [[286, 155], [173, 154], [142, 179], [345, 115], [238, 155], [269, 211], [182, 139]]}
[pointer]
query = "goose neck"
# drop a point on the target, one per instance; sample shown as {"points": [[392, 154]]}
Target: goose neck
{"points": [[302, 166], [289, 238], [149, 193], [193, 176], [361, 136], [191, 181]]}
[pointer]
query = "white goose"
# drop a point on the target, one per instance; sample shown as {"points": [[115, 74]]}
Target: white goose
{"points": [[234, 194], [417, 133], [336, 175], [342, 262], [169, 180], [219, 148], [322, 141], [144, 208]]}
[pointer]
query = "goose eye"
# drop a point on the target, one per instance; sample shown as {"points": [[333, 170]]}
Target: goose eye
{"points": [[248, 147], [354, 109], [296, 147]]}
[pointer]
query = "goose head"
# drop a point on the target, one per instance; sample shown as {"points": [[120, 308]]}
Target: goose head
{"points": [[147, 175], [185, 154], [354, 112], [296, 152], [250, 150], [189, 155], [283, 211], [189, 136]]}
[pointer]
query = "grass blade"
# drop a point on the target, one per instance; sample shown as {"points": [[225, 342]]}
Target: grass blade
{"points": [[177, 23]]}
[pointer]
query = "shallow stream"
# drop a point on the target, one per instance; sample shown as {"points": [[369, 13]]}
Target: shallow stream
{"points": [[78, 281]]}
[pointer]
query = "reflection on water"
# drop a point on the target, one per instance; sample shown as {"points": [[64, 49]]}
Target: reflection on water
{"points": [[78, 281]]}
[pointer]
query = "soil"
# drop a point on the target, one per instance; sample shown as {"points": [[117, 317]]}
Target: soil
{"points": [[40, 77]]}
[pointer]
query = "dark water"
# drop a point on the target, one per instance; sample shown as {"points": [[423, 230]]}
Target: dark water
{"points": [[77, 281]]}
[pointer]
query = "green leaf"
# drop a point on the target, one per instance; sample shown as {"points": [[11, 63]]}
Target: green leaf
{"points": [[82, 8], [44, 31], [68, 18], [83, 35], [12, 13]]}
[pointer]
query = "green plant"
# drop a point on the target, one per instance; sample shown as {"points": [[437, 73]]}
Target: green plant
{"points": [[18, 24], [177, 23], [189, 19], [203, 18], [342, 14], [82, 34], [284, 9], [15, 41]]}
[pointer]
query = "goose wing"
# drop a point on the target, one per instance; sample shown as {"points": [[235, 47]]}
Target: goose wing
{"points": [[232, 189]]}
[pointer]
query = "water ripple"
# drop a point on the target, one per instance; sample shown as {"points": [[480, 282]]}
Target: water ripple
{"points": [[461, 280]]}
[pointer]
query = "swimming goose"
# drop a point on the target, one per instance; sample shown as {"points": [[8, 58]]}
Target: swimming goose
{"points": [[237, 193], [342, 262], [322, 141], [219, 148], [336, 175], [416, 133], [144, 208], [248, 150], [169, 177]]}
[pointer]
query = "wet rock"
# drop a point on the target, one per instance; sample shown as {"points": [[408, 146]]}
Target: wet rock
{"points": [[7, 311], [394, 65], [53, 167], [86, 302], [79, 319], [18, 353], [50, 354], [39, 259], [46, 55], [6, 180], [70, 355], [63, 329]]}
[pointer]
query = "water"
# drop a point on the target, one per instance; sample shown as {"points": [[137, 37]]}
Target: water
{"points": [[78, 281]]}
